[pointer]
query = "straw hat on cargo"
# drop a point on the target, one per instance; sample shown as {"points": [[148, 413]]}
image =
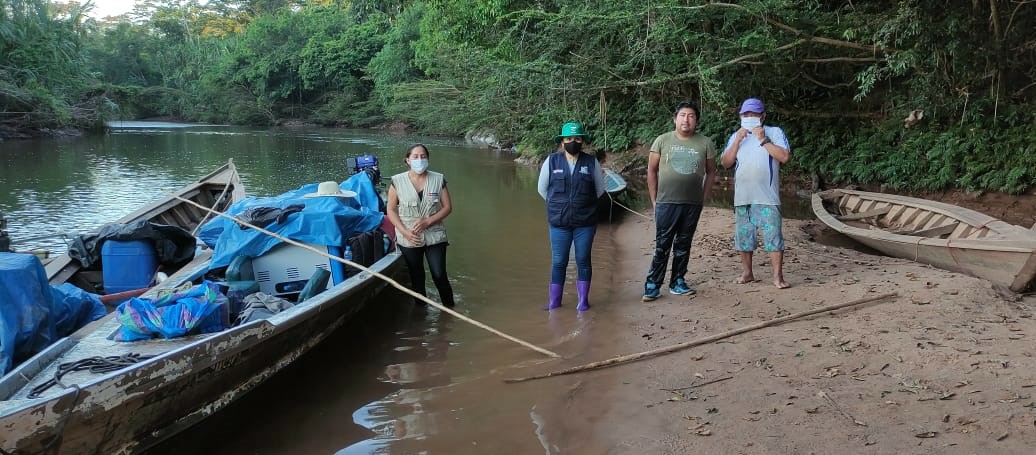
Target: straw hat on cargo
{"points": [[331, 189]]}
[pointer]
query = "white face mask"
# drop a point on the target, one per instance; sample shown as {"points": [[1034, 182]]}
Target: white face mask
{"points": [[419, 165], [751, 122]]}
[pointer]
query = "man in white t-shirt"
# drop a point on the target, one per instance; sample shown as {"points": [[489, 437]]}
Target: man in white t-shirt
{"points": [[758, 152]]}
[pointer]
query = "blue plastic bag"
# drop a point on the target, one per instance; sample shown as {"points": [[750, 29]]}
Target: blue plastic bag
{"points": [[201, 309]]}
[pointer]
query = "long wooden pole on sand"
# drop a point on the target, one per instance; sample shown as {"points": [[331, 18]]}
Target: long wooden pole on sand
{"points": [[709, 339]]}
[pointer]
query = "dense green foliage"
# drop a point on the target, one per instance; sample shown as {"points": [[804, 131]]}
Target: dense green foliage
{"points": [[45, 81], [841, 77]]}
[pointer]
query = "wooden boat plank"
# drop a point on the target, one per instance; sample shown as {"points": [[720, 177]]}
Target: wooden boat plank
{"points": [[964, 215], [924, 218], [909, 215], [183, 219], [868, 214], [931, 232], [895, 214], [225, 175]]}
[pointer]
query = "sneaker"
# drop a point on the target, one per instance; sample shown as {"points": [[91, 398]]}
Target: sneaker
{"points": [[681, 288], [651, 292]]}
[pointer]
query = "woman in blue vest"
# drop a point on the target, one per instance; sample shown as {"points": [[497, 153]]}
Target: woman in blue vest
{"points": [[571, 181], [417, 203]]}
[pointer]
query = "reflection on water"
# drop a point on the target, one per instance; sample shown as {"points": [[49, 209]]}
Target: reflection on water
{"points": [[396, 379], [402, 415]]}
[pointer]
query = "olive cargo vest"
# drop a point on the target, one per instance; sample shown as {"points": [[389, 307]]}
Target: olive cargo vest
{"points": [[412, 208]]}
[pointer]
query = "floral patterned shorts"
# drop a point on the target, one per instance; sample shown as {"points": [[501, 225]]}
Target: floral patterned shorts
{"points": [[750, 218]]}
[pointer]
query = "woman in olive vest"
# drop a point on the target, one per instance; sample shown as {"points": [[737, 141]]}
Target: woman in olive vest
{"points": [[571, 181], [417, 203]]}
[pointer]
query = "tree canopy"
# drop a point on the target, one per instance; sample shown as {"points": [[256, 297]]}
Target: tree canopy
{"points": [[909, 94]]}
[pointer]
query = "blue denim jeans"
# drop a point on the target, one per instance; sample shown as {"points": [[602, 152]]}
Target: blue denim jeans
{"points": [[561, 241]]}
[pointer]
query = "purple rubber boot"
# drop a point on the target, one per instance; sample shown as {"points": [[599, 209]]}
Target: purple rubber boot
{"points": [[583, 289], [554, 295]]}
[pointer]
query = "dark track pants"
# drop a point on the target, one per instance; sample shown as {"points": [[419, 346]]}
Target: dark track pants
{"points": [[436, 255], [674, 230]]}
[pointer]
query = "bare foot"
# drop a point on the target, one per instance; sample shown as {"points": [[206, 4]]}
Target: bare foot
{"points": [[745, 279], [781, 284]]}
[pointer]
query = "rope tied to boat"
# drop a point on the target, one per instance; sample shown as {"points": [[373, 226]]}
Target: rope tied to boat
{"points": [[627, 208], [955, 261], [95, 365], [219, 201], [380, 276]]}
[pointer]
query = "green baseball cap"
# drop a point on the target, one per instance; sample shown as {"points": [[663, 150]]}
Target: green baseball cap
{"points": [[572, 129]]}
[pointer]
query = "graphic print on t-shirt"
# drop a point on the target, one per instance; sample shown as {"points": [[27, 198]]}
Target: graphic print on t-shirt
{"points": [[684, 160]]}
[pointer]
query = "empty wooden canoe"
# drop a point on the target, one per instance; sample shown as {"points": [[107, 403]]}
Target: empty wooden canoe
{"points": [[943, 235], [614, 183]]}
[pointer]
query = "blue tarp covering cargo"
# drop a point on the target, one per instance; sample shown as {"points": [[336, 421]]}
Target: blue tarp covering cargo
{"points": [[317, 220], [34, 314]]}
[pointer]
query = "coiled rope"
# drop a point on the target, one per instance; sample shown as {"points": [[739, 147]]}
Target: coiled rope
{"points": [[94, 365]]}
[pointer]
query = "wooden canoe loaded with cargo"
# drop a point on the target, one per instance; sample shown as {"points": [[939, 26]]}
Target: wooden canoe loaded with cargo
{"points": [[154, 388]]}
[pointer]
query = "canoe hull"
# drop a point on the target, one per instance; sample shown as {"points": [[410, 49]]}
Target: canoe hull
{"points": [[954, 238], [131, 411]]}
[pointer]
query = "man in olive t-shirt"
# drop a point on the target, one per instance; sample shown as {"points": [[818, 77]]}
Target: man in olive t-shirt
{"points": [[681, 168]]}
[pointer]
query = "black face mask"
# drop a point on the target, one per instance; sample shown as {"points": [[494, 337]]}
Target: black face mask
{"points": [[573, 148]]}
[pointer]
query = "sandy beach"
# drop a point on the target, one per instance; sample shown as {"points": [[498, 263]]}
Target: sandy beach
{"points": [[946, 366]]}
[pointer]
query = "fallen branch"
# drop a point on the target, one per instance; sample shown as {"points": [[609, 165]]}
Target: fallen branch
{"points": [[699, 385], [633, 357], [852, 419]]}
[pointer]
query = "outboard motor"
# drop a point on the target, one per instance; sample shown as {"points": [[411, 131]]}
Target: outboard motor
{"points": [[369, 165], [365, 163], [5, 240]]}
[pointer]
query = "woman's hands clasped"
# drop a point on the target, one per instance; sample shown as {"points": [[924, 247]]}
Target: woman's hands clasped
{"points": [[420, 226], [415, 235]]}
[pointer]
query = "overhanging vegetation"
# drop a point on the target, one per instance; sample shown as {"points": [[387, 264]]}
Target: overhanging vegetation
{"points": [[913, 94]]}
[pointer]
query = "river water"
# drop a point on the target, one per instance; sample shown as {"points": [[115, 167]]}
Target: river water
{"points": [[397, 378]]}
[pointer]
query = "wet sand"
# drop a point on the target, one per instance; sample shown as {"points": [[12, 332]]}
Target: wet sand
{"points": [[945, 367]]}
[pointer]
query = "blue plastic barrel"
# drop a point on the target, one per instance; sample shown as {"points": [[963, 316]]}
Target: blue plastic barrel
{"points": [[127, 265]]}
